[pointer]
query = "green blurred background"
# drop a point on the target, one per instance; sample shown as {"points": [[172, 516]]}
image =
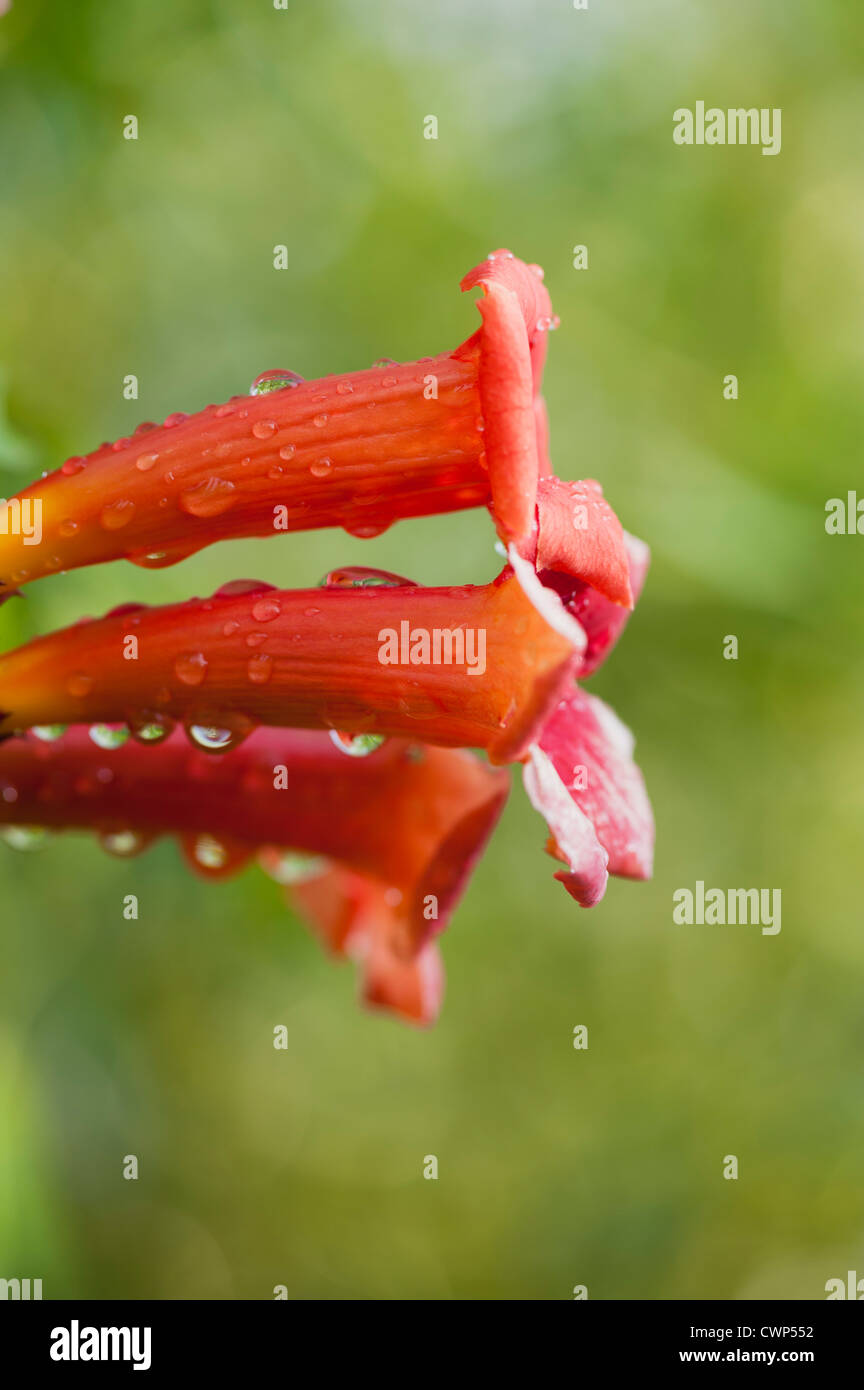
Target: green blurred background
{"points": [[154, 257]]}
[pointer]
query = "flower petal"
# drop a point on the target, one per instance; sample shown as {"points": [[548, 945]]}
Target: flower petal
{"points": [[580, 535], [354, 917], [478, 665], [602, 620], [360, 450], [409, 818], [516, 318], [581, 775]]}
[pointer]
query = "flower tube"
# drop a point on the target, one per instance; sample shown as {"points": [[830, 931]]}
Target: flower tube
{"points": [[476, 665], [361, 451], [383, 845]]}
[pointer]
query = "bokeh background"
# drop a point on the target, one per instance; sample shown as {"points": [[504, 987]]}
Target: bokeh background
{"points": [[154, 257]]}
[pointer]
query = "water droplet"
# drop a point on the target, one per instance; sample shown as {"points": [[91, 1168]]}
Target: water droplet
{"points": [[358, 577], [9, 794], [256, 639], [176, 419], [145, 462], [263, 429], [536, 270], [368, 532], [151, 728], [237, 587], [210, 498], [49, 733], [117, 514], [122, 843], [145, 427], [292, 866], [108, 735], [287, 451], [344, 388], [210, 738], [357, 745], [389, 381], [209, 853], [319, 421], [79, 684], [191, 668], [25, 837], [259, 668], [230, 628], [385, 362], [322, 468], [72, 466], [275, 380], [216, 731], [266, 610]]}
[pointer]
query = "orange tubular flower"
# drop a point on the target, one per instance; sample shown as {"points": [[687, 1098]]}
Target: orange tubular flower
{"points": [[366, 654], [360, 451], [399, 830]]}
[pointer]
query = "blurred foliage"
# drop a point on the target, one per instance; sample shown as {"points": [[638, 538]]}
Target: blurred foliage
{"points": [[304, 127]]}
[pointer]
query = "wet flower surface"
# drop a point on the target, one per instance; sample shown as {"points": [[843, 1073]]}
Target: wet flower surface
{"points": [[369, 691]]}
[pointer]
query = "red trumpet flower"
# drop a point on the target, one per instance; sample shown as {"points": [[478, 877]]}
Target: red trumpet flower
{"points": [[478, 665], [362, 450], [399, 831]]}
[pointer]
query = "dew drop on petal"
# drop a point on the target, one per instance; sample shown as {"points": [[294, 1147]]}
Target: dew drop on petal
{"points": [[79, 684], [344, 388], [122, 843], [368, 532], [275, 380], [176, 419], [145, 462], [287, 451], [266, 610], [151, 728], [292, 866], [211, 738], [385, 362], [68, 528], [358, 577], [108, 735], [357, 745], [322, 468], [319, 421], [72, 466], [259, 668], [209, 853], [117, 514], [263, 429], [210, 498], [24, 837], [49, 733], [191, 668], [236, 588]]}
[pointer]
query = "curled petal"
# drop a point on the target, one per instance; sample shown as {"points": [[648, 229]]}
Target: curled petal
{"points": [[361, 451], [477, 666], [355, 917], [512, 343], [602, 620], [410, 819], [580, 535], [582, 778]]}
